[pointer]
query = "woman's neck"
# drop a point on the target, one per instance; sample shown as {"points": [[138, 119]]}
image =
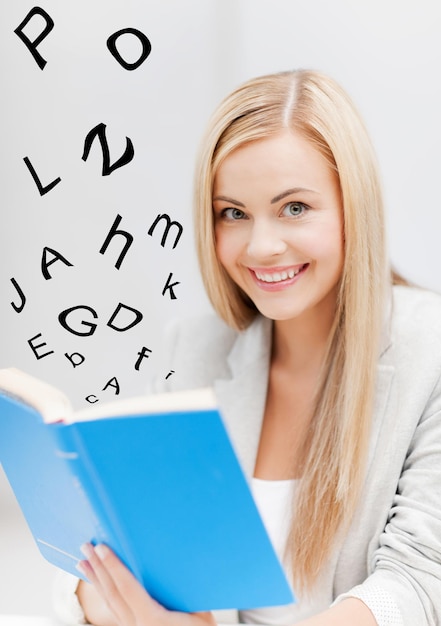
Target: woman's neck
{"points": [[300, 344]]}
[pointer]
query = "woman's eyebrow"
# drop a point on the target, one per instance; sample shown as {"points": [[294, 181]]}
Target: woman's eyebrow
{"points": [[230, 200], [288, 192]]}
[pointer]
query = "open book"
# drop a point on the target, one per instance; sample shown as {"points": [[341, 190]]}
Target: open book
{"points": [[155, 478]]}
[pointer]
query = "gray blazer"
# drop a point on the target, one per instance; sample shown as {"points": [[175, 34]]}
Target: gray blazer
{"points": [[391, 555]]}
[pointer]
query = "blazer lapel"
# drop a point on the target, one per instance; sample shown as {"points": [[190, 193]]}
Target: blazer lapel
{"points": [[242, 397]]}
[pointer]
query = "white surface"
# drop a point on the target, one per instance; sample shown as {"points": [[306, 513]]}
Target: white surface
{"points": [[27, 620]]}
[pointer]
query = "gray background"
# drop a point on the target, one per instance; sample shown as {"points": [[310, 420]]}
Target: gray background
{"points": [[386, 53]]}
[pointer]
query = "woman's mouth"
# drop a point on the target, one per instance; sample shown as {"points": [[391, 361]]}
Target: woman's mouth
{"points": [[277, 276]]}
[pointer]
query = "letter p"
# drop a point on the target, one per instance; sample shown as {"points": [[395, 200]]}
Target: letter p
{"points": [[32, 45]]}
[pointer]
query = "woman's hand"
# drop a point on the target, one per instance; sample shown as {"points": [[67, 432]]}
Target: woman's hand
{"points": [[125, 597]]}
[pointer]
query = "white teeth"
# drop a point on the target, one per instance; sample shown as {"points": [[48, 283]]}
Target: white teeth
{"points": [[277, 277]]}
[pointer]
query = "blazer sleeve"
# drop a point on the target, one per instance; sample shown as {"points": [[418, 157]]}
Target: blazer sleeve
{"points": [[66, 606], [404, 588]]}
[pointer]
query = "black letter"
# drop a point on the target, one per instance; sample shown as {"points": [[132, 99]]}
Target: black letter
{"points": [[34, 174], [18, 308], [169, 374], [112, 232], [63, 315], [32, 45], [146, 47], [169, 224], [40, 345], [168, 286], [100, 131], [138, 317], [142, 355], [72, 356], [45, 264], [112, 383], [92, 401]]}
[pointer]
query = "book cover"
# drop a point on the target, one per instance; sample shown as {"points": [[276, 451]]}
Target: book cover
{"points": [[164, 490]]}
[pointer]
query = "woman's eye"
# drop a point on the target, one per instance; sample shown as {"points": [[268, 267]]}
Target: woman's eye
{"points": [[294, 208], [233, 214]]}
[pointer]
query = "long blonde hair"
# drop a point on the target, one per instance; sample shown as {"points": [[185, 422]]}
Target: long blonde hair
{"points": [[336, 444]]}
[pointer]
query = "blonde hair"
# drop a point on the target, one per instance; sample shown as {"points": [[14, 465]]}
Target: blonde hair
{"points": [[335, 449]]}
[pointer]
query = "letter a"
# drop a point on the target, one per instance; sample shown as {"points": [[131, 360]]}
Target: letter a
{"points": [[100, 132], [32, 45], [113, 382], [45, 263]]}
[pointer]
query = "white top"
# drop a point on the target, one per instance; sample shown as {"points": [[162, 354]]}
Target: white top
{"points": [[274, 499]]}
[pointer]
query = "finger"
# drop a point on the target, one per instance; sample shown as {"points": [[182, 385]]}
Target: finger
{"points": [[205, 617], [85, 569], [140, 602], [132, 602], [106, 587]]}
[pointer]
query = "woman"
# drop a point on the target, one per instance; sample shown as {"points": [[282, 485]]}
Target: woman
{"points": [[327, 374]]}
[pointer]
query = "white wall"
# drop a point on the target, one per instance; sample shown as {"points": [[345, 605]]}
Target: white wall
{"points": [[387, 54]]}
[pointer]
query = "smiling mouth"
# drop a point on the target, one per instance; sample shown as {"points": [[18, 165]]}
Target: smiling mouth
{"points": [[280, 276]]}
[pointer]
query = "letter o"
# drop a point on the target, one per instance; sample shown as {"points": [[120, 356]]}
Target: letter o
{"points": [[145, 42]]}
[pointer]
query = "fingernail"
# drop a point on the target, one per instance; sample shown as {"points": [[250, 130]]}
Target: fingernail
{"points": [[102, 551], [87, 550]]}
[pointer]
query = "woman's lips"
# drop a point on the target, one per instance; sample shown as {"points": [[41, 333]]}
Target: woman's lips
{"points": [[275, 278]]}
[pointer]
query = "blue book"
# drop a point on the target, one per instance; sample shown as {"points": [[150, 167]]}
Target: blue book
{"points": [[155, 478]]}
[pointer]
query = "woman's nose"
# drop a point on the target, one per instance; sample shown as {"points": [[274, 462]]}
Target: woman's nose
{"points": [[266, 240]]}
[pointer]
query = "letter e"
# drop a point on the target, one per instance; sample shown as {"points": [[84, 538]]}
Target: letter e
{"points": [[34, 347]]}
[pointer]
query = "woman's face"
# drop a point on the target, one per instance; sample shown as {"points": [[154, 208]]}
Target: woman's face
{"points": [[279, 225]]}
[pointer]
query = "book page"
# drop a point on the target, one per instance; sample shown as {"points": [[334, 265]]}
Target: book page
{"points": [[190, 400], [52, 404]]}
